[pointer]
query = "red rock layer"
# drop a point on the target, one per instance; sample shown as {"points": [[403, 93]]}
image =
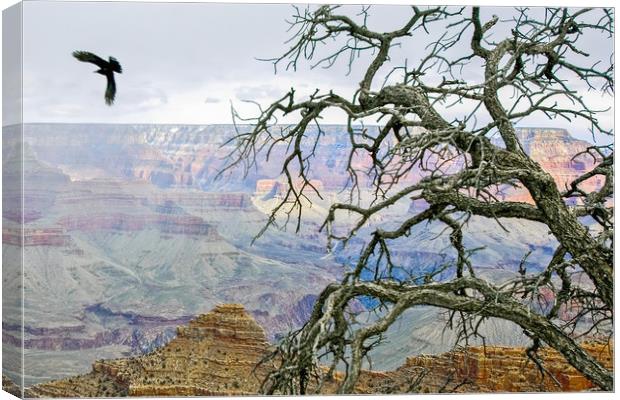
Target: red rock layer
{"points": [[501, 369], [175, 224], [36, 237]]}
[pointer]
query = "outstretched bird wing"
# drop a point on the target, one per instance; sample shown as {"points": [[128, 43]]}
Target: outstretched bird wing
{"points": [[110, 90], [86, 56]]}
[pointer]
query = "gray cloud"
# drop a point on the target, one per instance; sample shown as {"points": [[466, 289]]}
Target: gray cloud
{"points": [[145, 98], [175, 53], [264, 91]]}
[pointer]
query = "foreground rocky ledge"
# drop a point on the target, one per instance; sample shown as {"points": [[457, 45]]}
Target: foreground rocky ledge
{"points": [[217, 354]]}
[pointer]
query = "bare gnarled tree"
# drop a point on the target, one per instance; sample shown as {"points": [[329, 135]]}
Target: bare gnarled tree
{"points": [[501, 70]]}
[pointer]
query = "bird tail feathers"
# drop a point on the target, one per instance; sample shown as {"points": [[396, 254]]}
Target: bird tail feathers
{"points": [[110, 91]]}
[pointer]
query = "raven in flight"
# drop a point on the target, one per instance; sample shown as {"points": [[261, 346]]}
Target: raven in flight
{"points": [[107, 68]]}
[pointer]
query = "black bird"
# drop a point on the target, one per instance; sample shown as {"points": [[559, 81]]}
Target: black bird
{"points": [[107, 68]]}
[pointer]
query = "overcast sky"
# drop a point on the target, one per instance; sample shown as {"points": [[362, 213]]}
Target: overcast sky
{"points": [[186, 62]]}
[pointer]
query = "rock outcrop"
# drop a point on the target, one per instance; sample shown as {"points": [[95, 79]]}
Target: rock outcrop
{"points": [[499, 369], [215, 354], [10, 387], [218, 354]]}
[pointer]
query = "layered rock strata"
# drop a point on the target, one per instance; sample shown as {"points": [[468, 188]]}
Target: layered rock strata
{"points": [[501, 369], [562, 156], [215, 354], [218, 354]]}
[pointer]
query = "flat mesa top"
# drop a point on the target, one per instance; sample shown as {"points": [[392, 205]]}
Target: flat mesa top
{"points": [[229, 307]]}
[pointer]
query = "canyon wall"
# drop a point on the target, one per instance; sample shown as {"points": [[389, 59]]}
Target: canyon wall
{"points": [[128, 233], [561, 155], [191, 156]]}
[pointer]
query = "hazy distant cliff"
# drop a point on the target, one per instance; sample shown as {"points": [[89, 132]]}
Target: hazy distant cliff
{"points": [[191, 155]]}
